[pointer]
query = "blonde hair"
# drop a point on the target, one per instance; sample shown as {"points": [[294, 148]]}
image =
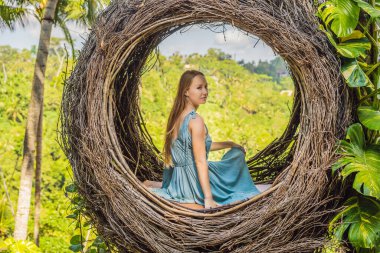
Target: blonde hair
{"points": [[178, 107]]}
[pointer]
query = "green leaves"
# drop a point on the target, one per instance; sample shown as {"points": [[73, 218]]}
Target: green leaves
{"points": [[76, 247], [367, 178], [373, 12], [341, 15], [361, 160], [83, 10], [76, 239], [10, 14], [354, 75], [354, 48], [10, 245], [97, 246], [361, 218], [71, 188], [72, 216], [76, 243], [369, 117], [359, 222]]}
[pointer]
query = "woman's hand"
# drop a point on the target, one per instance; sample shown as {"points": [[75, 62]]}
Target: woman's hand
{"points": [[235, 145], [210, 203]]}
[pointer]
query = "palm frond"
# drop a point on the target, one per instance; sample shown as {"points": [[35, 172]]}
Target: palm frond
{"points": [[66, 31], [12, 13]]}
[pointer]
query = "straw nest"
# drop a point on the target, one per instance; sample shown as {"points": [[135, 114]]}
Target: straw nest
{"points": [[111, 152]]}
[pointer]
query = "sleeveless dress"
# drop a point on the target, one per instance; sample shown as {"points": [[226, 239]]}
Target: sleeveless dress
{"points": [[230, 180]]}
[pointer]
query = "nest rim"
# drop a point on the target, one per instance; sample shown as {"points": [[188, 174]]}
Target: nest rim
{"points": [[315, 72]]}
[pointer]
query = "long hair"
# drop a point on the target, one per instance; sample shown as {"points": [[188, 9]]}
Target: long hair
{"points": [[177, 109]]}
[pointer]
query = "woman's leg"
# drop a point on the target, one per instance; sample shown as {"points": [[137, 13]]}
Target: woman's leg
{"points": [[152, 184], [192, 206], [158, 184]]}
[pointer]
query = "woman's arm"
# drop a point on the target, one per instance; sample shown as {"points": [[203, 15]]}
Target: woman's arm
{"points": [[220, 145], [198, 132], [225, 144]]}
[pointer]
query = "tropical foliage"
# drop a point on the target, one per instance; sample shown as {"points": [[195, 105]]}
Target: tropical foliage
{"points": [[11, 13], [59, 12], [82, 12], [352, 28], [10, 245], [238, 99], [15, 81]]}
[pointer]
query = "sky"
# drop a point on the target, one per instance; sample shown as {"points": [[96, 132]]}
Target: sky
{"points": [[191, 39]]}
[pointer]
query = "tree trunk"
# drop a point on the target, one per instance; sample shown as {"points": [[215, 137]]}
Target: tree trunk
{"points": [[37, 191], [5, 74], [36, 100], [7, 192]]}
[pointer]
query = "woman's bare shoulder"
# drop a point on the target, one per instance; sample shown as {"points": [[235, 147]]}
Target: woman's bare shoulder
{"points": [[196, 123]]}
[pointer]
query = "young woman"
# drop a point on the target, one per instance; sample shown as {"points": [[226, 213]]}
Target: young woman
{"points": [[189, 178]]}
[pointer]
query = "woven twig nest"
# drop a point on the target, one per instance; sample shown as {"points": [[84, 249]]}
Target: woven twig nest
{"points": [[111, 152]]}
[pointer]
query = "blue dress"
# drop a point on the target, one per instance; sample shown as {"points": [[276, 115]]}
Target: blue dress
{"points": [[230, 180]]}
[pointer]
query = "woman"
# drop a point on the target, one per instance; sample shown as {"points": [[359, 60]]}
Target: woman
{"points": [[188, 177]]}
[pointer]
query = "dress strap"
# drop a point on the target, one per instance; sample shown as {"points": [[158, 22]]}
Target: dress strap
{"points": [[192, 115], [185, 125]]}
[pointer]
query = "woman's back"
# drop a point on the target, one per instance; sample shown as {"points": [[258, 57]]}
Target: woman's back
{"points": [[181, 149]]}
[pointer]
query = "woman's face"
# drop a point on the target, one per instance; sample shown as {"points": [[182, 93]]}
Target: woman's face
{"points": [[197, 92]]}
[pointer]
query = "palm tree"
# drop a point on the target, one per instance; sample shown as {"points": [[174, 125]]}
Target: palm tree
{"points": [[54, 11], [34, 127]]}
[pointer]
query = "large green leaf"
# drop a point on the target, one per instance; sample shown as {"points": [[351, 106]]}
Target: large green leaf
{"points": [[361, 160], [356, 136], [370, 117], [355, 147], [362, 219], [372, 11], [367, 177], [354, 75], [354, 48], [341, 15], [76, 239], [351, 46], [356, 34]]}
